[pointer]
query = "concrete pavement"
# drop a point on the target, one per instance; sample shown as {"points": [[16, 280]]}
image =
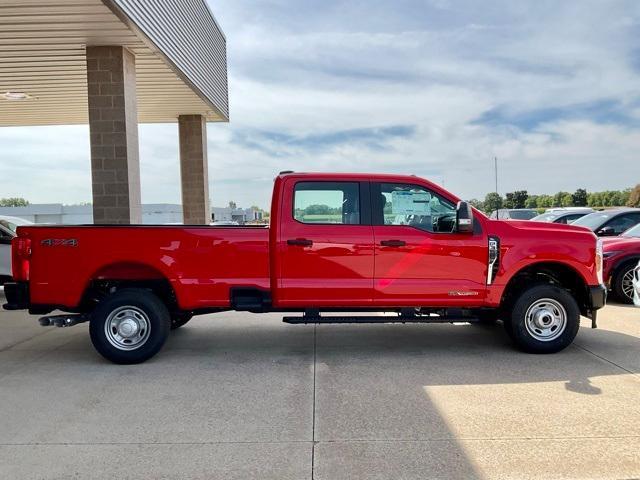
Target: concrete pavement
{"points": [[245, 396]]}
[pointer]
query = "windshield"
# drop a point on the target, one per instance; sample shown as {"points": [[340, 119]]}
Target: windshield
{"points": [[593, 220], [522, 214], [633, 232], [545, 217], [13, 224]]}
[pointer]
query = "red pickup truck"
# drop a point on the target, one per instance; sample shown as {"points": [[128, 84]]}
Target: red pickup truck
{"points": [[340, 248]]}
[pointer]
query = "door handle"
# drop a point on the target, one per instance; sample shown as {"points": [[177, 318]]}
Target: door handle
{"points": [[393, 243], [300, 242]]}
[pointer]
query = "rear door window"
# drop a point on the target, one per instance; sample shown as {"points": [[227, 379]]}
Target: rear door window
{"points": [[327, 203]]}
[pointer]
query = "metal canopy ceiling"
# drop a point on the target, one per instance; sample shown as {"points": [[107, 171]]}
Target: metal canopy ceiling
{"points": [[180, 58]]}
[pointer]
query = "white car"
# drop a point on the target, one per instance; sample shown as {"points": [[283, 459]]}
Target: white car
{"points": [[636, 286], [8, 226]]}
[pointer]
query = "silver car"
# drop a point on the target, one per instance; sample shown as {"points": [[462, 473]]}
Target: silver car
{"points": [[8, 226]]}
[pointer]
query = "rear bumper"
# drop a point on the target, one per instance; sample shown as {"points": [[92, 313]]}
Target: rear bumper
{"points": [[17, 294], [597, 297]]}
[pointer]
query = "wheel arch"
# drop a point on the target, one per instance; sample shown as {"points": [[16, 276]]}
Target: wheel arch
{"points": [[124, 275], [548, 272], [620, 263]]}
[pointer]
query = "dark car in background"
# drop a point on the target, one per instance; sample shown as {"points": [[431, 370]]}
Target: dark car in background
{"points": [[610, 223], [621, 255], [563, 215], [513, 214]]}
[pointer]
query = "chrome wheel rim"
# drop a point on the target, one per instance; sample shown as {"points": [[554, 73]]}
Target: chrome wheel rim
{"points": [[627, 284], [127, 328], [546, 319]]}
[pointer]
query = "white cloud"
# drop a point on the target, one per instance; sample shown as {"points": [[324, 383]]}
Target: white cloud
{"points": [[560, 79]]}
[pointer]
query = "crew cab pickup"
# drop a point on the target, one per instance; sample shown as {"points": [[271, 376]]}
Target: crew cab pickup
{"points": [[340, 248]]}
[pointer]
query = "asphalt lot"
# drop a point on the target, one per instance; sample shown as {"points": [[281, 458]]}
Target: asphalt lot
{"points": [[241, 396]]}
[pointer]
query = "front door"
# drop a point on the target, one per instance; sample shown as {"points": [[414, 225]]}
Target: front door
{"points": [[326, 245], [420, 260]]}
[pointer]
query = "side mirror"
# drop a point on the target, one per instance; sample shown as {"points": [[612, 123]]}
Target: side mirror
{"points": [[464, 218], [5, 239], [606, 232]]}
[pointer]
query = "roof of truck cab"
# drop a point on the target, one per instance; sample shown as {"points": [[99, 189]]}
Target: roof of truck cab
{"points": [[353, 176], [376, 177]]}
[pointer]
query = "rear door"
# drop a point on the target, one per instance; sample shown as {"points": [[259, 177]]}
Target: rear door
{"points": [[325, 244], [420, 260]]}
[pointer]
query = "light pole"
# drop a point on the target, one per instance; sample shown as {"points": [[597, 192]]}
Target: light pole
{"points": [[495, 167]]}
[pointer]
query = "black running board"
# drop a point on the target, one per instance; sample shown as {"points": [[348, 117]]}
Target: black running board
{"points": [[377, 319]]}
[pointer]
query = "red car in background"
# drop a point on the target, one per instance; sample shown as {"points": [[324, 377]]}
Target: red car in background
{"points": [[621, 255]]}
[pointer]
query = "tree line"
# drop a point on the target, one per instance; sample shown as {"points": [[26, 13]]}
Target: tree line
{"points": [[580, 198], [13, 202]]}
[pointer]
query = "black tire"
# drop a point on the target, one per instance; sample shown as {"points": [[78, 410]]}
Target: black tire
{"points": [[145, 308], [552, 304], [180, 319], [618, 279]]}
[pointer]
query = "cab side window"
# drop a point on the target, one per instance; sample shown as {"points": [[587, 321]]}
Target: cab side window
{"points": [[415, 206], [327, 202]]}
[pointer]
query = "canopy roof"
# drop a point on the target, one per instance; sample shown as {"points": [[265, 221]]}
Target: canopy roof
{"points": [[180, 54]]}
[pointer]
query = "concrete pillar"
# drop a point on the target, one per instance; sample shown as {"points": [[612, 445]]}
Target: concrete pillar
{"points": [[113, 125], [194, 169]]}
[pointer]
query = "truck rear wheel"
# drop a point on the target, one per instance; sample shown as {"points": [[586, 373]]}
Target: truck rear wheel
{"points": [[544, 319], [129, 326]]}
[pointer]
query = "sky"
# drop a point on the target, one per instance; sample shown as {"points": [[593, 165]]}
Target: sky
{"points": [[434, 88]]}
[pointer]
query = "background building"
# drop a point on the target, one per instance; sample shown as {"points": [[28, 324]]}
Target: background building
{"points": [[153, 213]]}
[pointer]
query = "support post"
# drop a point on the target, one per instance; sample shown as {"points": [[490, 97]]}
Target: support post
{"points": [[194, 169], [113, 126]]}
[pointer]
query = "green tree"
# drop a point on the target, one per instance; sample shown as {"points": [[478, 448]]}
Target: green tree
{"points": [[634, 197], [520, 198], [544, 201], [595, 199], [557, 198], [492, 201], [580, 198], [508, 200], [532, 201], [479, 204], [13, 202], [317, 209], [567, 200]]}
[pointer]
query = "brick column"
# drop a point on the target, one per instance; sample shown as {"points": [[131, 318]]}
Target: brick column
{"points": [[194, 170], [113, 125]]}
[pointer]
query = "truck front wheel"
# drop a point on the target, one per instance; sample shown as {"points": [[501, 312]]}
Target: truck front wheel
{"points": [[129, 326], [544, 319]]}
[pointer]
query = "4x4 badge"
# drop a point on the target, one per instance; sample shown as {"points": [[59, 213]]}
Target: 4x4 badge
{"points": [[59, 242]]}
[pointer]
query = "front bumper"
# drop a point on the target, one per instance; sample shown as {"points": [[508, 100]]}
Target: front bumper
{"points": [[17, 294]]}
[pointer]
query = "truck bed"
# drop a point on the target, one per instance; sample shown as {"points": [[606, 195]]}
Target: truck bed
{"points": [[201, 263]]}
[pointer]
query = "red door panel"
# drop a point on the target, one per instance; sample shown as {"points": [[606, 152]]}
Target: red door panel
{"points": [[336, 270], [431, 269]]}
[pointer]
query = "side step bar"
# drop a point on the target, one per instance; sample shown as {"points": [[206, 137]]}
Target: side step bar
{"points": [[377, 319]]}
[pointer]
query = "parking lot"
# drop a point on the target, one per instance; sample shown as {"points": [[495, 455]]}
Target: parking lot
{"points": [[245, 396]]}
